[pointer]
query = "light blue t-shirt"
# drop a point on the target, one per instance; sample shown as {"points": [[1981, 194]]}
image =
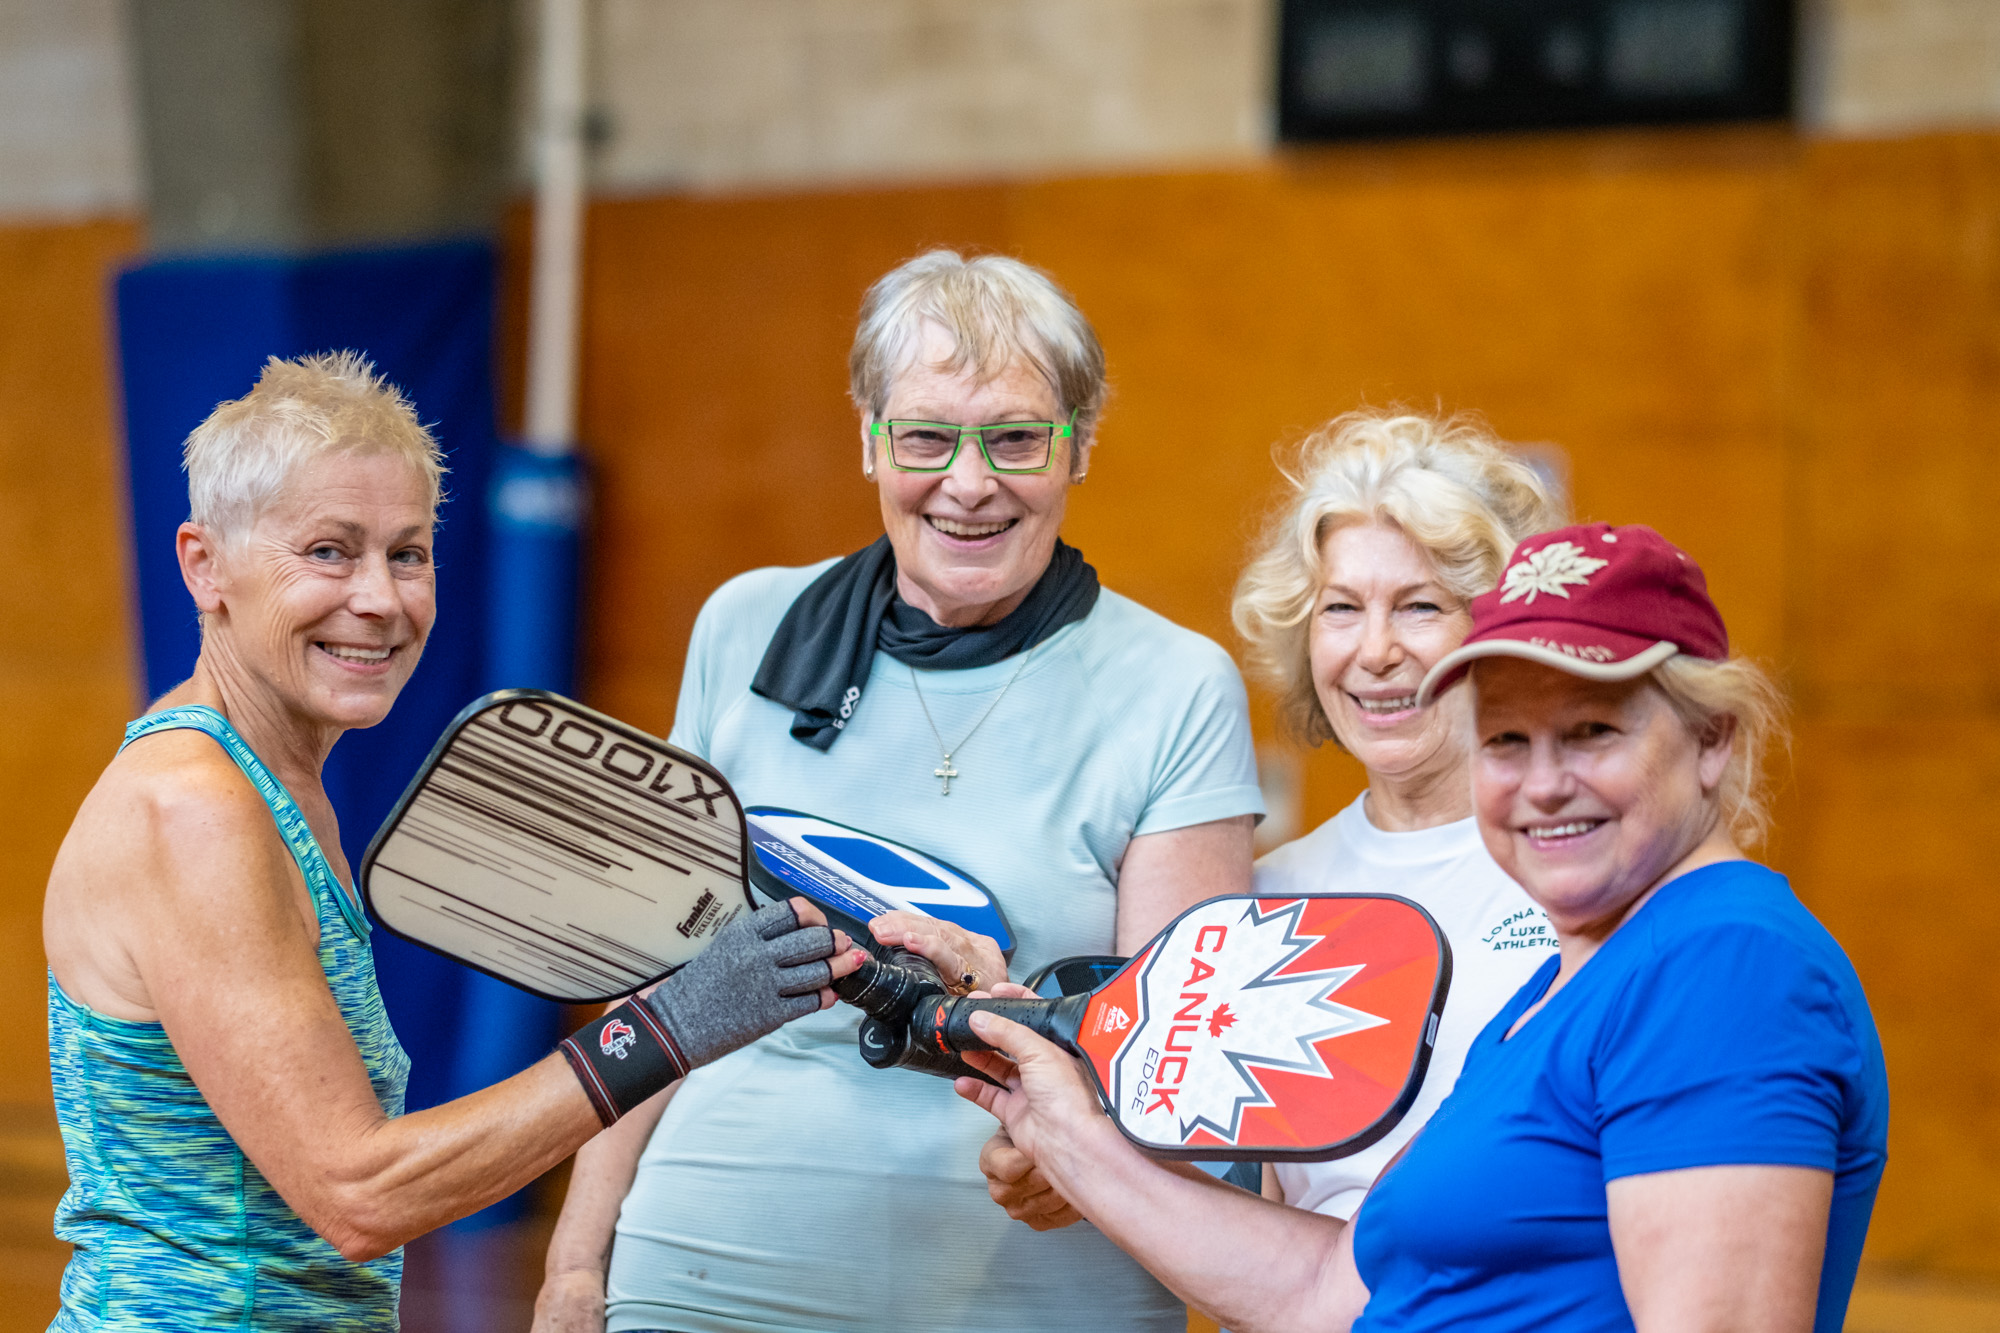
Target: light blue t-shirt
{"points": [[790, 1187]]}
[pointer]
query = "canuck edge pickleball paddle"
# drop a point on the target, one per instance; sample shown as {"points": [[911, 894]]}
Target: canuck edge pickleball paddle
{"points": [[1274, 1029], [559, 850]]}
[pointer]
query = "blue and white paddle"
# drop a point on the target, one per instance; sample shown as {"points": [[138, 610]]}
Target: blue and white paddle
{"points": [[856, 876]]}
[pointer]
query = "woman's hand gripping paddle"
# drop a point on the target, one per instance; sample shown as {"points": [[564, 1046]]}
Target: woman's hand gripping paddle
{"points": [[560, 850], [1272, 1029]]}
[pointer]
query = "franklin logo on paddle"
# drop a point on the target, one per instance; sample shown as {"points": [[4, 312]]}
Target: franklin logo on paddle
{"points": [[700, 916], [616, 1038]]}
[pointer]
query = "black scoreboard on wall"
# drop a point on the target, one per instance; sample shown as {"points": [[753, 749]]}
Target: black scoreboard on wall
{"points": [[1366, 68]]}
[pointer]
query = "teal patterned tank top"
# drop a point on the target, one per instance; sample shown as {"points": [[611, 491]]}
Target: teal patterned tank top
{"points": [[173, 1228]]}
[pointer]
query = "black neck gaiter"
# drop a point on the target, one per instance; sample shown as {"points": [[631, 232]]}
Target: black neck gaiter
{"points": [[818, 661]]}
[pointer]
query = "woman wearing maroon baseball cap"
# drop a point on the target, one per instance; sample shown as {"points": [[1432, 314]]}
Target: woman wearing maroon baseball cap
{"points": [[1679, 1122], [1689, 1102]]}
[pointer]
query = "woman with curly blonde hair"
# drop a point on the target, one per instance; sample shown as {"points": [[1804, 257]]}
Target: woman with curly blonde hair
{"points": [[1360, 584], [1362, 581]]}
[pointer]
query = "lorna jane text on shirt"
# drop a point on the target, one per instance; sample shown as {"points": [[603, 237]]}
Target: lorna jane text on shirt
{"points": [[1525, 929]]}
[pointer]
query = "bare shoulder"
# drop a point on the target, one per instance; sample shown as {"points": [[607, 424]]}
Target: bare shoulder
{"points": [[171, 833], [175, 794]]}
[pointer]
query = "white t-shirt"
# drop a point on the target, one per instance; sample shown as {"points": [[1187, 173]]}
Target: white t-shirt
{"points": [[1498, 938]]}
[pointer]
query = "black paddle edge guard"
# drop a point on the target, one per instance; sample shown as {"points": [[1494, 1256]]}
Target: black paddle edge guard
{"points": [[1069, 972], [499, 699]]}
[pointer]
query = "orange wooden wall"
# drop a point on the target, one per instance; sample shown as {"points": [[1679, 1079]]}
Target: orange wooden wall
{"points": [[66, 678], [1782, 354], [67, 686], [1892, 637]]}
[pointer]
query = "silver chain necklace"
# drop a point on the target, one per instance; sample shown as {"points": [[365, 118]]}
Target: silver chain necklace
{"points": [[945, 772]]}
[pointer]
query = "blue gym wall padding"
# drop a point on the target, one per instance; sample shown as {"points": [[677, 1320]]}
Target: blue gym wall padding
{"points": [[194, 332]]}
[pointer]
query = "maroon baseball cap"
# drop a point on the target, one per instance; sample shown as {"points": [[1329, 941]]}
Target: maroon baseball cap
{"points": [[1593, 600]]}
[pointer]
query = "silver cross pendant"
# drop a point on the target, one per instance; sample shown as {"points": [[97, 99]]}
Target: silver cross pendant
{"points": [[945, 774]]}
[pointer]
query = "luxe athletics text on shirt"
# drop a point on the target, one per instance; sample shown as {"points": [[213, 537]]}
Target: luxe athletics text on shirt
{"points": [[1522, 928]]}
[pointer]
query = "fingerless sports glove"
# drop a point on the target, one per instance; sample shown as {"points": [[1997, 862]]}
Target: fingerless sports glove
{"points": [[762, 971]]}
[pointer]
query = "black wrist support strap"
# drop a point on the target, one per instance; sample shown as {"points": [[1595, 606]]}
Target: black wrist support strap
{"points": [[623, 1058]]}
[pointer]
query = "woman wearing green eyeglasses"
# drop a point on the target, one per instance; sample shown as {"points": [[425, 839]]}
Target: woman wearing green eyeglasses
{"points": [[963, 685]]}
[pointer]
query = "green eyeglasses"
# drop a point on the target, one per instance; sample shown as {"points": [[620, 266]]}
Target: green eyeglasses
{"points": [[1007, 446]]}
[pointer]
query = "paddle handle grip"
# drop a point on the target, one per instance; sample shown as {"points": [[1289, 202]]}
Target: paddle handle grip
{"points": [[944, 1024], [888, 988]]}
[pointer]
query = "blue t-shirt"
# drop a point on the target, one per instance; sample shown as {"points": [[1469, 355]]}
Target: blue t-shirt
{"points": [[1720, 1026], [792, 1189]]}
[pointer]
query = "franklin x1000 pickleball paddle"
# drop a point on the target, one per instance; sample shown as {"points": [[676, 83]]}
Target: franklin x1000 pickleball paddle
{"points": [[1272, 1029], [559, 849]]}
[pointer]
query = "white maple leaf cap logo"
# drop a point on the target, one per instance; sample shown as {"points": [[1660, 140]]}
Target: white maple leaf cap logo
{"points": [[1554, 569]]}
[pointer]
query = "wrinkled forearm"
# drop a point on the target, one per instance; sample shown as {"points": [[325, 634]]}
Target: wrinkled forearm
{"points": [[1196, 1233], [374, 1187]]}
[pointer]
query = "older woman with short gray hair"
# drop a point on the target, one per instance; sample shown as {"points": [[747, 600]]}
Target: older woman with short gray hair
{"points": [[229, 1089], [966, 686]]}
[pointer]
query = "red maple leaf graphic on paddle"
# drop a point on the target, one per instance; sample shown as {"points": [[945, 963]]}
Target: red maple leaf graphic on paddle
{"points": [[1220, 1019]]}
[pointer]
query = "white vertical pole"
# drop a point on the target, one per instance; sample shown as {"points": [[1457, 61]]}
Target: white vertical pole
{"points": [[558, 262]]}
